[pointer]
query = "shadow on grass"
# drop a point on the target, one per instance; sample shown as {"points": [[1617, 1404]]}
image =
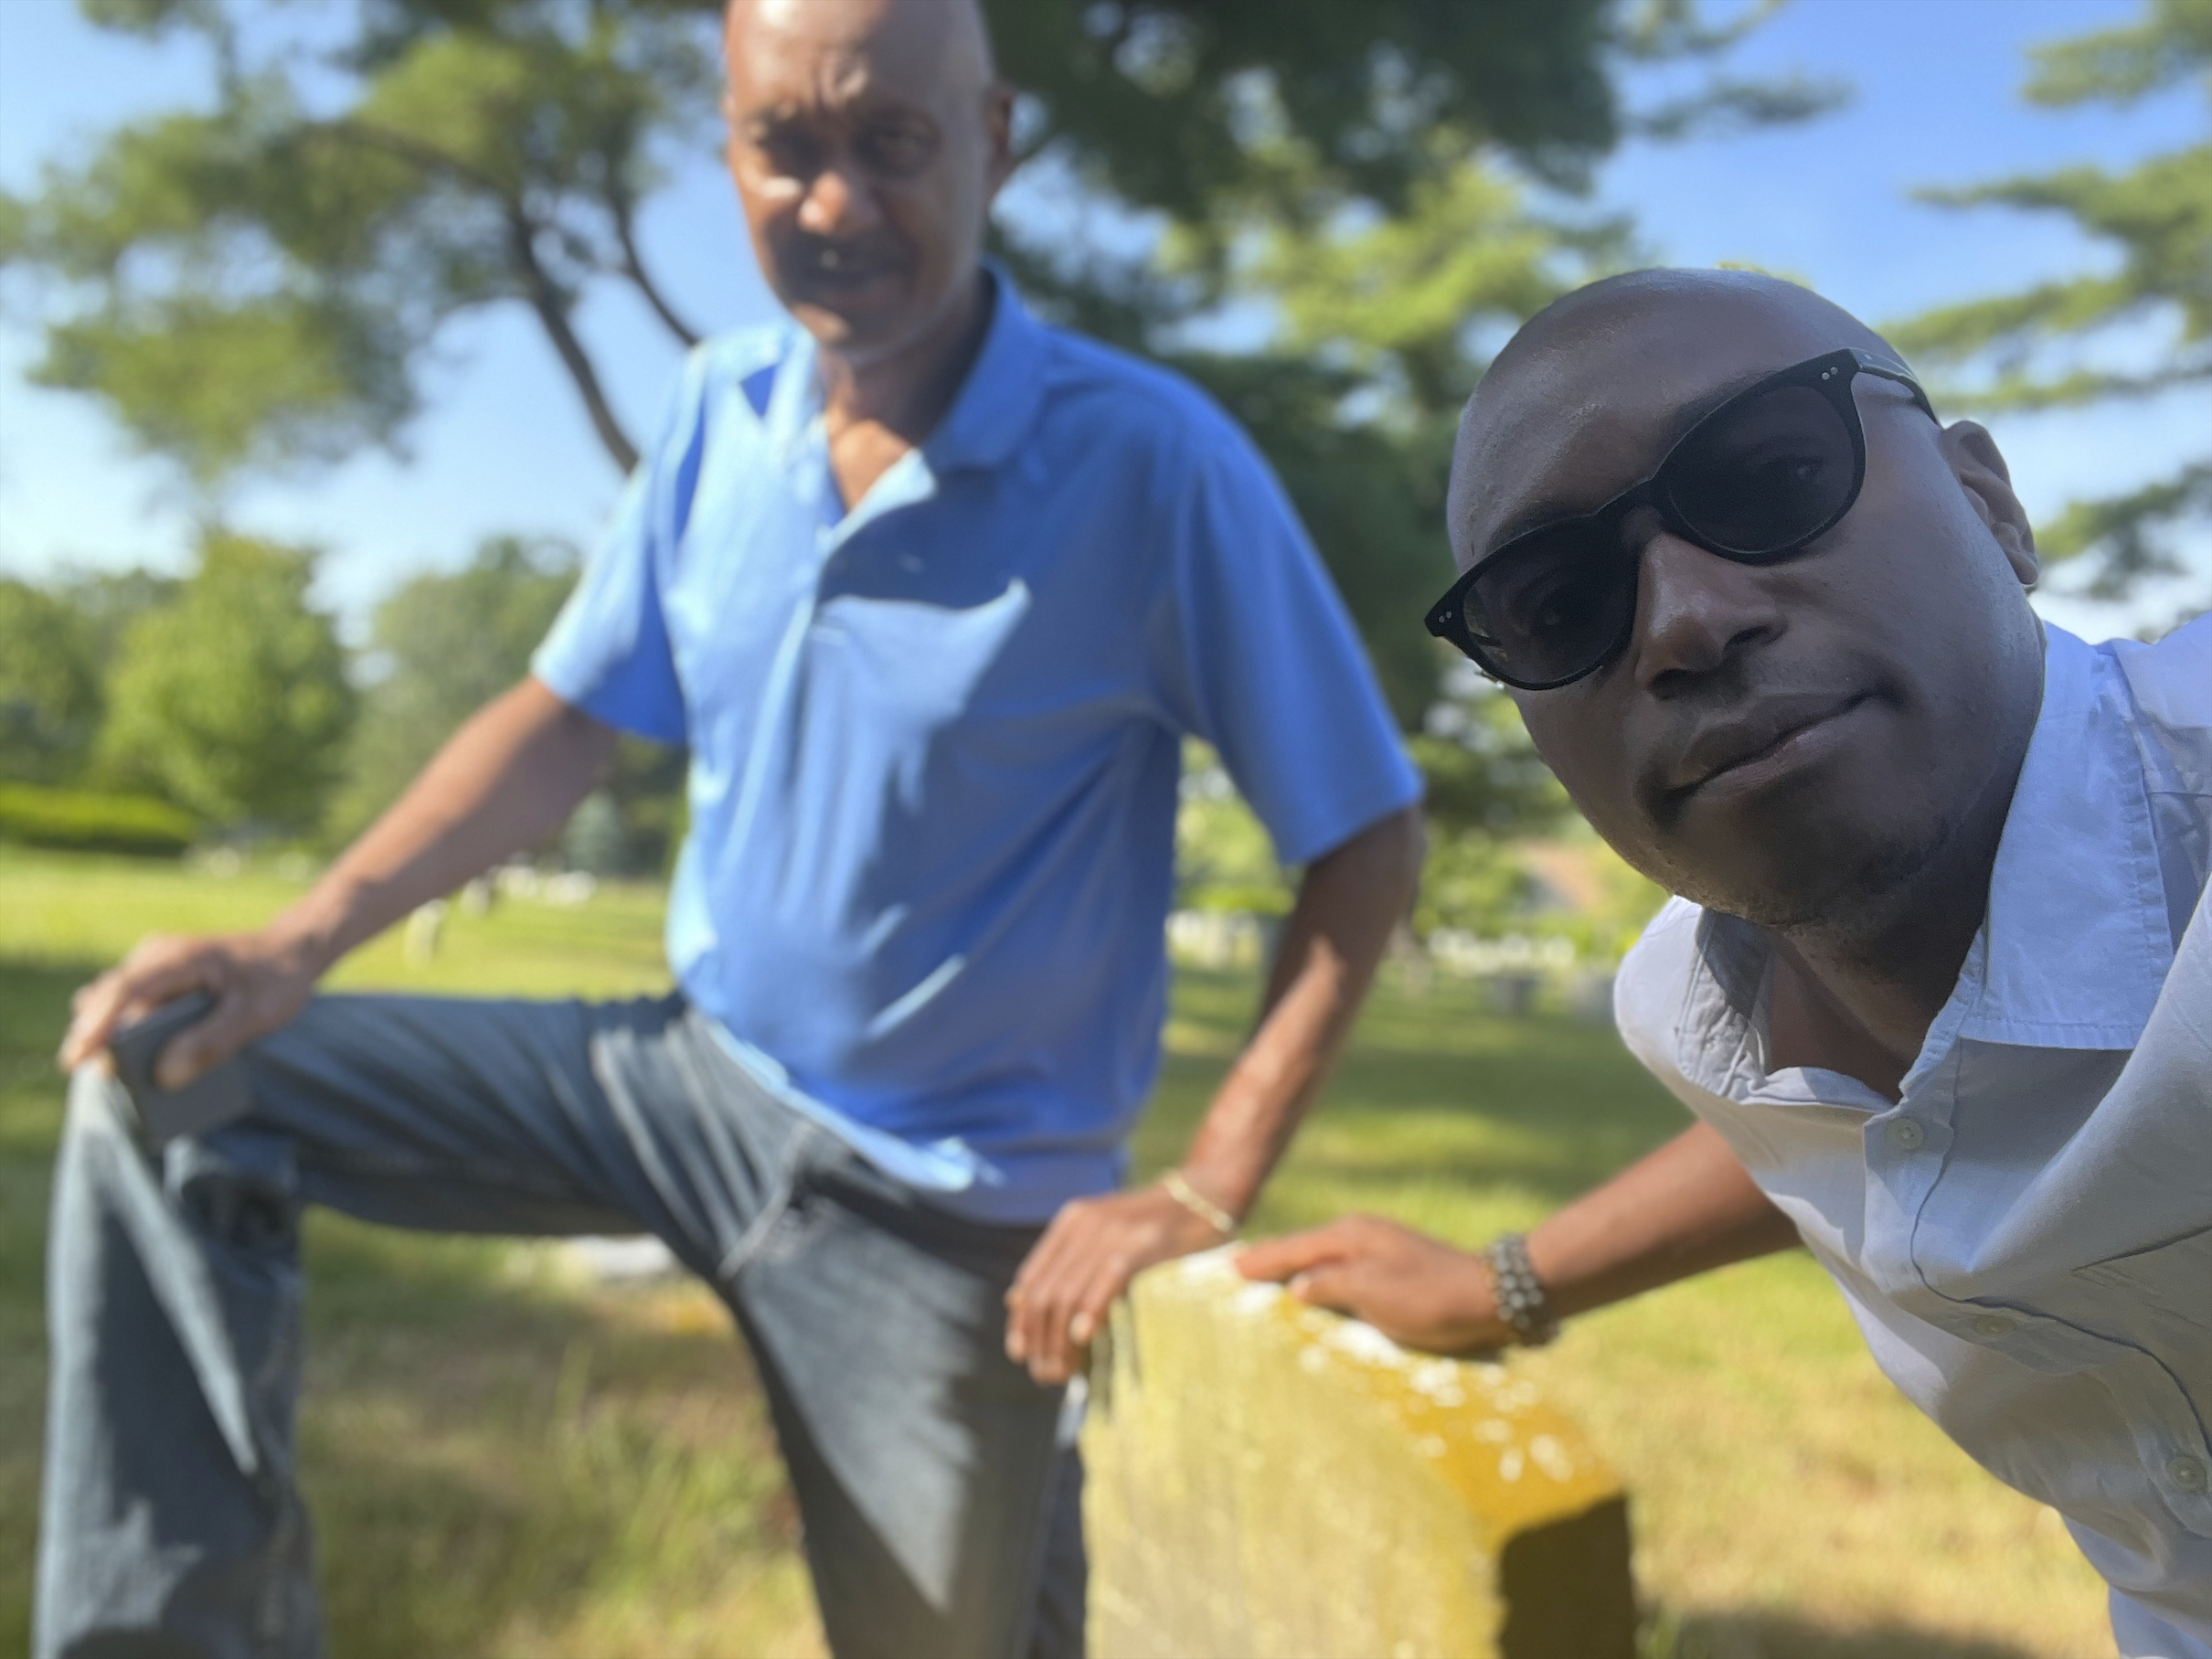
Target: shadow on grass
{"points": [[34, 1007], [1771, 1636], [34, 1011]]}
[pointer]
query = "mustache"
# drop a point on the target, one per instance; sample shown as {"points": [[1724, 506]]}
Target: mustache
{"points": [[842, 259]]}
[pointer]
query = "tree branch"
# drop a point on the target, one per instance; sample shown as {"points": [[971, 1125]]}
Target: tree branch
{"points": [[538, 287], [552, 309], [426, 156], [618, 208]]}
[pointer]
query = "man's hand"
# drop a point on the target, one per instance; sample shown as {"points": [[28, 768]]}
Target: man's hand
{"points": [[1415, 1291], [1086, 1258], [259, 981]]}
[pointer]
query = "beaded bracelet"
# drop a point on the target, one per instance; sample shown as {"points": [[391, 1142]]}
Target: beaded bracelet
{"points": [[1519, 1294]]}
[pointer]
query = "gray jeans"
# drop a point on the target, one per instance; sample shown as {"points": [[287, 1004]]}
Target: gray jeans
{"points": [[941, 1505]]}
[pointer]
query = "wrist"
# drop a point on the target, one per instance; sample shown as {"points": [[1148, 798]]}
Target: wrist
{"points": [[1475, 1306], [1196, 1202], [1518, 1293], [309, 937]]}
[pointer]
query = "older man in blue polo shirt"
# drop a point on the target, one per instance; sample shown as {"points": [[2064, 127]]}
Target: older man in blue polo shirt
{"points": [[933, 593]]}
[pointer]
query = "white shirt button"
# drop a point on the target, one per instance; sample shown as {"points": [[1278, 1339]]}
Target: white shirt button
{"points": [[1993, 1324], [1905, 1134], [2185, 1472]]}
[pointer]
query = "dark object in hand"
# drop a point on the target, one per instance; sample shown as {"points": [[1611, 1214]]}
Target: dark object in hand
{"points": [[210, 1100]]}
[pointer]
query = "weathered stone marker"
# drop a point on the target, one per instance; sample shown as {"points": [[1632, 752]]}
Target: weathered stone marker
{"points": [[1270, 1482]]}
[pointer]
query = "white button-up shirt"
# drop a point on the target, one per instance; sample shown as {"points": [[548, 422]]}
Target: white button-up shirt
{"points": [[2026, 1236]]}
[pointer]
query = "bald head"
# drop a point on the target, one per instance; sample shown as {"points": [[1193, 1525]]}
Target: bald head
{"points": [[1632, 293], [1574, 359], [948, 41]]}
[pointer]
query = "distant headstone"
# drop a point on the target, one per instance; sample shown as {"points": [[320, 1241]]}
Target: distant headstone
{"points": [[594, 840], [619, 1260], [425, 927], [1267, 1481]]}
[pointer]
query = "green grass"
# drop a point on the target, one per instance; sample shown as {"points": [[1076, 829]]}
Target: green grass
{"points": [[504, 1462]]}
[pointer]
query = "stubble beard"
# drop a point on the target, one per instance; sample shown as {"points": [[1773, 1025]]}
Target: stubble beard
{"points": [[1907, 901]]}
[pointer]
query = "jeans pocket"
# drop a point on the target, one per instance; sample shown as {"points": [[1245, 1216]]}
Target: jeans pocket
{"points": [[240, 1187]]}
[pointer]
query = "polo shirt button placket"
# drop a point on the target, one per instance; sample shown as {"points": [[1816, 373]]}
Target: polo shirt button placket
{"points": [[1906, 1135]]}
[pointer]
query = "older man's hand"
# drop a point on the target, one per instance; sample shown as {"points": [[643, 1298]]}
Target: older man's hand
{"points": [[1086, 1258], [259, 981]]}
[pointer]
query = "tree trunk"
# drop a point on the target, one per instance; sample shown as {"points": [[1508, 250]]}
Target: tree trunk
{"points": [[552, 308], [618, 208]]}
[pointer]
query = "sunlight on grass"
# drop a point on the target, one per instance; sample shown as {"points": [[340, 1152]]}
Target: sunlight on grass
{"points": [[505, 1463]]}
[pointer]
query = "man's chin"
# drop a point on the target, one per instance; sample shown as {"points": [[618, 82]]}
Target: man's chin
{"points": [[876, 317], [1837, 882]]}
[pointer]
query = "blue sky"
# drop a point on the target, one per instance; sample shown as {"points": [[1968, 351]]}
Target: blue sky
{"points": [[506, 448]]}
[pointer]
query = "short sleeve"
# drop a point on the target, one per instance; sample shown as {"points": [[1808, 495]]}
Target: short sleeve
{"points": [[608, 651], [1261, 661]]}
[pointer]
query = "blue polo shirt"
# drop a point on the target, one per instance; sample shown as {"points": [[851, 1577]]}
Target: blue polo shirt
{"points": [[936, 738]]}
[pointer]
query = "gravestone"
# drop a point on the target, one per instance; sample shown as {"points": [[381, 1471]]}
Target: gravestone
{"points": [[1267, 1480]]}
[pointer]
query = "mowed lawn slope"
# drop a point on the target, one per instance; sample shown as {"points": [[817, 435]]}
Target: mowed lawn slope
{"points": [[505, 1463]]}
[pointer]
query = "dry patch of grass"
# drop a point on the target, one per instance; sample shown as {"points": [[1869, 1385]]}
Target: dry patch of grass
{"points": [[505, 1463], [554, 1470]]}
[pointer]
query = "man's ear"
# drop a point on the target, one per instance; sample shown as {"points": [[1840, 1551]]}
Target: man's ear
{"points": [[1988, 483]]}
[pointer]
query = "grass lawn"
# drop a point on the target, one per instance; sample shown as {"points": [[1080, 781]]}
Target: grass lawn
{"points": [[505, 1463]]}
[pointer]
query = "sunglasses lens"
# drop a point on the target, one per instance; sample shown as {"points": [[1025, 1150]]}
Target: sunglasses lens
{"points": [[1550, 606], [1765, 473]]}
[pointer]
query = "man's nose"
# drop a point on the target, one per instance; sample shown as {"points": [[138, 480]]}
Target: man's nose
{"points": [[838, 203], [1695, 611]]}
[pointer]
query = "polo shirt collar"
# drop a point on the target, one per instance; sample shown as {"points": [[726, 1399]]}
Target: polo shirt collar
{"points": [[997, 403], [992, 413]]}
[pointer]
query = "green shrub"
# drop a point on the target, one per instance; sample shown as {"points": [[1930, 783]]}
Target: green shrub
{"points": [[88, 823]]}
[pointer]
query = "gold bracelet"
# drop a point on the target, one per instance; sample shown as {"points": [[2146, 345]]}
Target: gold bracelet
{"points": [[1198, 1204]]}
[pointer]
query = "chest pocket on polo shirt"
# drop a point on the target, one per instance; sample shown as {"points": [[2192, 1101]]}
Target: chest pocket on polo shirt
{"points": [[914, 665]]}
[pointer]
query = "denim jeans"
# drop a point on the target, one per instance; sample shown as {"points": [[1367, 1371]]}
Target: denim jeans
{"points": [[939, 1500]]}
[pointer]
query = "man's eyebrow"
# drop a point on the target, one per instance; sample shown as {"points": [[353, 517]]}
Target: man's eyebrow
{"points": [[756, 117], [1534, 516], [873, 105], [1550, 510]]}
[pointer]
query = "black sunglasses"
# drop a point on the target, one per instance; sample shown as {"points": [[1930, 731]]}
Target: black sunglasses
{"points": [[1763, 475]]}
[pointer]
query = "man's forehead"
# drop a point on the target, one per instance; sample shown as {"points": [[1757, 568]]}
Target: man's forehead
{"points": [[795, 52], [1566, 422]]}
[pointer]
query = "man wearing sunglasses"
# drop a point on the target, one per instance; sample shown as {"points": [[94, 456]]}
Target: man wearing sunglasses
{"points": [[1937, 981]]}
